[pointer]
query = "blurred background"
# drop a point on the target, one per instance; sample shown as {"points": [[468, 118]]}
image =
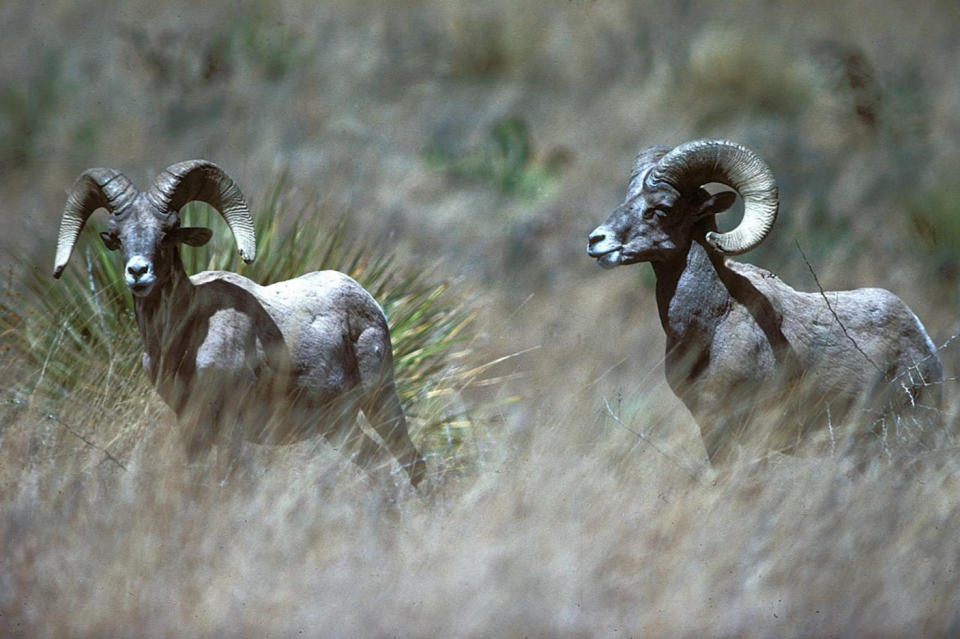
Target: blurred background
{"points": [[484, 140]]}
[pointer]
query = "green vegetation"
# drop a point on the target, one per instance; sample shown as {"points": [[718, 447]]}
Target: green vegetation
{"points": [[274, 48], [933, 219], [506, 160], [25, 109], [741, 77]]}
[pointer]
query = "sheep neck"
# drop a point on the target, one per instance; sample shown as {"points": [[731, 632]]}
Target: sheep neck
{"points": [[692, 293], [163, 316], [693, 298], [696, 291]]}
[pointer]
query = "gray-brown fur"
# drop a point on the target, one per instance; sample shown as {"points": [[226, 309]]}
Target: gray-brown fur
{"points": [[235, 360], [741, 344]]}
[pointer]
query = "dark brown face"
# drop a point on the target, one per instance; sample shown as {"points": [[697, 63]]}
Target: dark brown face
{"points": [[650, 225], [148, 241], [654, 223]]}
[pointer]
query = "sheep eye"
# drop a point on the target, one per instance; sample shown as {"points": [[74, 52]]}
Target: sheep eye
{"points": [[111, 241], [649, 214]]}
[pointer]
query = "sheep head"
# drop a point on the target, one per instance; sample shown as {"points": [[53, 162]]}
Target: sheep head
{"points": [[145, 226], [665, 200]]}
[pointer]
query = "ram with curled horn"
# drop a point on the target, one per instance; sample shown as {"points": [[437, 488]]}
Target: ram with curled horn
{"points": [[743, 349], [235, 360]]}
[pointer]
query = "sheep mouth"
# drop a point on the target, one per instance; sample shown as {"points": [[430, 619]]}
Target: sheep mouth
{"points": [[610, 259], [141, 289]]}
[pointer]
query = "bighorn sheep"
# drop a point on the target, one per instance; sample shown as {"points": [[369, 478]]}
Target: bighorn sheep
{"points": [[740, 342], [235, 360]]}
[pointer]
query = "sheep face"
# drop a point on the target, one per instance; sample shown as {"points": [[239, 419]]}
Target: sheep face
{"points": [[654, 223], [149, 240]]}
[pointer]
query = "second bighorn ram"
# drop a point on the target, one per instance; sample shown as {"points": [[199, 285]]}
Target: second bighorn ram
{"points": [[741, 344], [235, 360]]}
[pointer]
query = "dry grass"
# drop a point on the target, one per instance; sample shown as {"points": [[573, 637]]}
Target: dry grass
{"points": [[560, 521], [561, 533]]}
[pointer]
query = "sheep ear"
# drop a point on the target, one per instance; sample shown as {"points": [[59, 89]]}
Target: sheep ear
{"points": [[717, 203], [190, 235]]}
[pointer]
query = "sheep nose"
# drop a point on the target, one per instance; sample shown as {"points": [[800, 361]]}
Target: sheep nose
{"points": [[138, 269], [597, 236]]}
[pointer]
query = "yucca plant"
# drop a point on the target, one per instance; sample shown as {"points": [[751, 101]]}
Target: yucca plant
{"points": [[77, 337]]}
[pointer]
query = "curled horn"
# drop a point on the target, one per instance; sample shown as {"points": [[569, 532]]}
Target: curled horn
{"points": [[696, 163], [94, 188], [203, 181], [646, 159]]}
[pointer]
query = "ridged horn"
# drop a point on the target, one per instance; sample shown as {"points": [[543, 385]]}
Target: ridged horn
{"points": [[647, 158], [696, 163], [203, 181], [95, 188]]}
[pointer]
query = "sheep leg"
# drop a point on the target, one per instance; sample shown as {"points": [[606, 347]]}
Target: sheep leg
{"points": [[214, 421], [197, 442], [360, 449], [229, 444], [380, 403], [198, 431], [368, 454], [385, 414], [719, 439]]}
